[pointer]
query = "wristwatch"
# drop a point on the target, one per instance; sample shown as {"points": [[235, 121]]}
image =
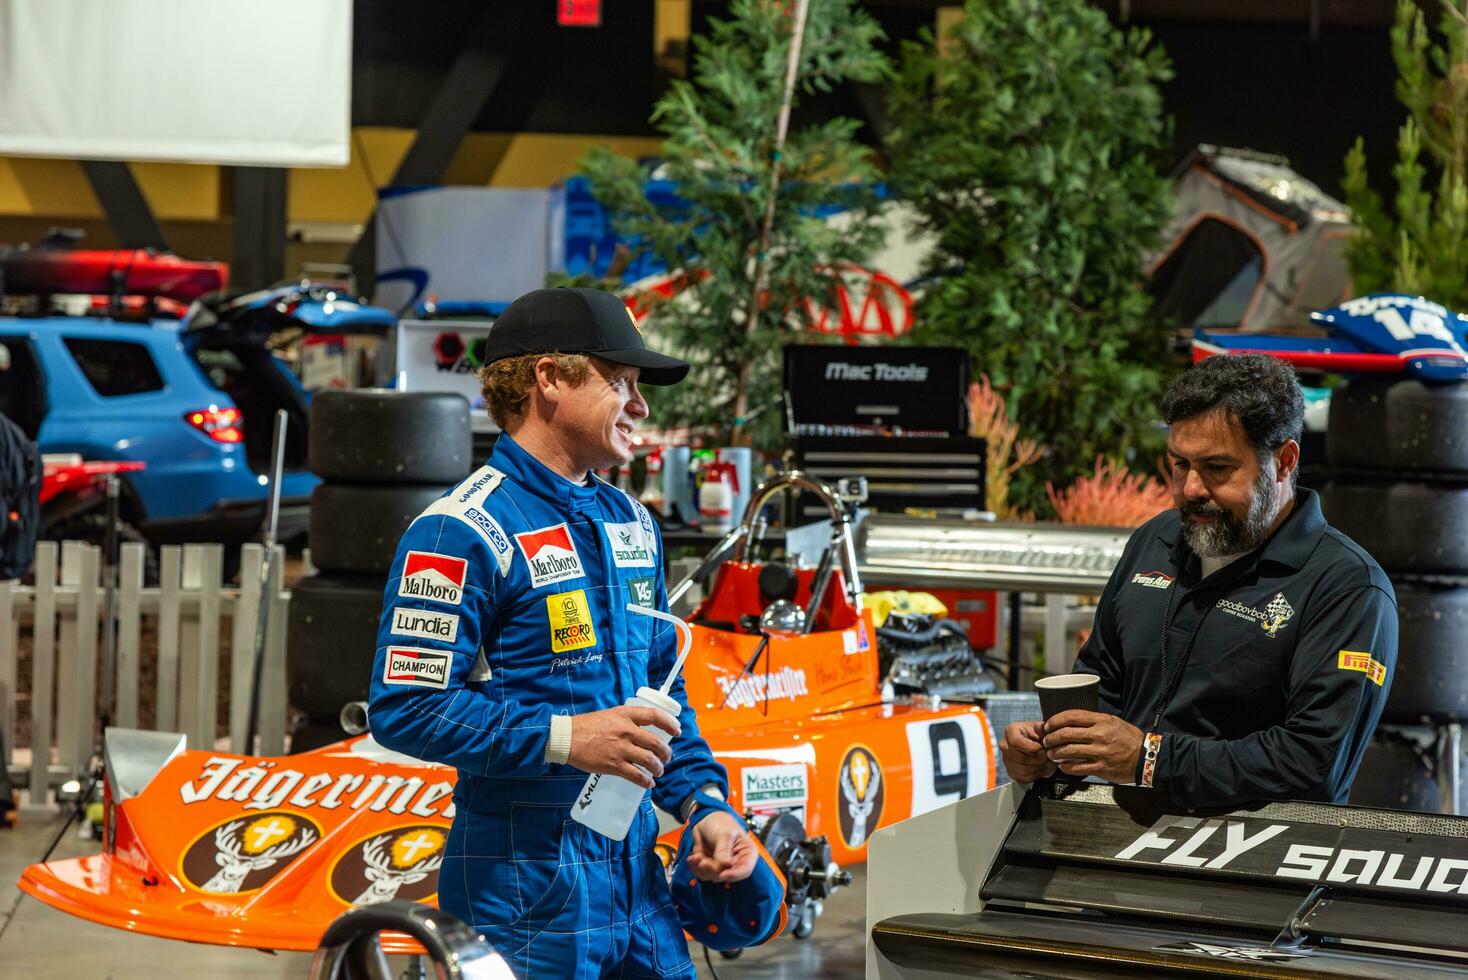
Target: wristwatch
{"points": [[707, 789]]}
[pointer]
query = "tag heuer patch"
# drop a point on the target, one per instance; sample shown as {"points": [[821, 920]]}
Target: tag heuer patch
{"points": [[1354, 660], [551, 555], [417, 668], [570, 621], [641, 590]]}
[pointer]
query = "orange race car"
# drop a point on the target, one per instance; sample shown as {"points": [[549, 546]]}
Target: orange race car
{"points": [[266, 852]]}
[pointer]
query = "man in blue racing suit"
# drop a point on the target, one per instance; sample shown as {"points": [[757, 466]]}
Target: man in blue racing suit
{"points": [[506, 651]]}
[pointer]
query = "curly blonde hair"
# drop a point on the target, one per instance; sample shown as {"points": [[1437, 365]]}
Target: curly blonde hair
{"points": [[506, 383]]}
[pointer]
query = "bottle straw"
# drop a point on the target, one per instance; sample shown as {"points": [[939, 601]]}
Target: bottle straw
{"points": [[687, 640]]}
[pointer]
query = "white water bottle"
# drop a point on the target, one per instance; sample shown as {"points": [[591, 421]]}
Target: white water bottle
{"points": [[607, 804]]}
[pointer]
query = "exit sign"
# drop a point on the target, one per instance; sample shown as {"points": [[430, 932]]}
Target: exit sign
{"points": [[578, 13]]}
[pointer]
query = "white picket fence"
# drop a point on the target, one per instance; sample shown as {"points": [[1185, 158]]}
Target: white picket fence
{"points": [[63, 616]]}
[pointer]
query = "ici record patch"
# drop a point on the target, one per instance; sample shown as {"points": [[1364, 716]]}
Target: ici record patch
{"points": [[425, 624], [417, 668], [431, 576], [859, 795], [551, 555], [570, 621]]}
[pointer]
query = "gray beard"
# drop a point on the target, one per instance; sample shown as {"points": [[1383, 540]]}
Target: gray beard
{"points": [[1228, 535]]}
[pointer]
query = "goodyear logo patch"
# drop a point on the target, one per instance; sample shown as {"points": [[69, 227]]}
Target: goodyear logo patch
{"points": [[570, 621], [1355, 660]]}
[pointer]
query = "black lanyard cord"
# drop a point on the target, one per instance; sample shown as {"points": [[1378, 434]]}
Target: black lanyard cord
{"points": [[1171, 682]]}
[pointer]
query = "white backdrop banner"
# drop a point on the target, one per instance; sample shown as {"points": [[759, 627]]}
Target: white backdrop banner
{"points": [[251, 82]]}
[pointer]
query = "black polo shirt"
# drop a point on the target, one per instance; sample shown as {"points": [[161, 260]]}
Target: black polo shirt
{"points": [[1286, 660]]}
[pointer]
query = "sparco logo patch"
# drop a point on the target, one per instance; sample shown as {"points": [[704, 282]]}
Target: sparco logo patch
{"points": [[439, 578], [632, 547], [416, 668], [493, 535], [425, 623], [570, 621], [1152, 580], [550, 554]]}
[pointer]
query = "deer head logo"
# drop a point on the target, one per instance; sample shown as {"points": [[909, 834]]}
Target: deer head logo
{"points": [[861, 792], [405, 861], [244, 846]]}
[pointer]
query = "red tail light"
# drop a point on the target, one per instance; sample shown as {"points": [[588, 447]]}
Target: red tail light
{"points": [[219, 424]]}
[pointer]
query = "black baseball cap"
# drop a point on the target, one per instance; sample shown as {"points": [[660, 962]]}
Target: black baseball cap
{"points": [[573, 320]]}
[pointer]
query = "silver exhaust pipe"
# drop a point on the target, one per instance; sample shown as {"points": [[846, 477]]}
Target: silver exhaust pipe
{"points": [[354, 718]]}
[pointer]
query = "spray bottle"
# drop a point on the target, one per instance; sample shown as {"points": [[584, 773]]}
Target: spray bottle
{"points": [[607, 804]]}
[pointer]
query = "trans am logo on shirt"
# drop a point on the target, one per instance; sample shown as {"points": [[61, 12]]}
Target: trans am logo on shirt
{"points": [[439, 578], [550, 554], [1152, 580]]}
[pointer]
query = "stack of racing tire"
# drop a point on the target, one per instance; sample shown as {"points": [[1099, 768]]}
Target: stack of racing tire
{"points": [[1398, 449], [383, 456]]}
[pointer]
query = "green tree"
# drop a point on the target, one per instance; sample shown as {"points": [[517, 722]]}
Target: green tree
{"points": [[1421, 244], [719, 147], [1028, 138]]}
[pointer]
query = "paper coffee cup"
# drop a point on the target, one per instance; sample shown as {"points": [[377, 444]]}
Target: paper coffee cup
{"points": [[1064, 692]]}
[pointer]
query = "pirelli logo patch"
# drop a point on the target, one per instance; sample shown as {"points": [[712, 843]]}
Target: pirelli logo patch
{"points": [[417, 668], [570, 621], [1354, 660]]}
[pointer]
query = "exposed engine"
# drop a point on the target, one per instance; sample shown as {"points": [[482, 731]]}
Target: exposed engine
{"points": [[810, 874], [921, 654]]}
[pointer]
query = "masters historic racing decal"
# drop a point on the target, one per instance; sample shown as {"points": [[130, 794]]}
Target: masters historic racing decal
{"points": [[242, 854], [425, 624], [417, 668], [399, 864], [774, 789], [437, 578], [551, 555], [570, 621], [859, 795], [632, 546]]}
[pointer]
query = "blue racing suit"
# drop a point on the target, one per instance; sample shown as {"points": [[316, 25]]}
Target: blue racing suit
{"points": [[506, 605]]}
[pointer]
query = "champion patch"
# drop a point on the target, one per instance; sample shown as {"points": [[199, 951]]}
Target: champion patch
{"points": [[409, 666], [1355, 660], [425, 624], [632, 546], [550, 554], [570, 621], [438, 578]]}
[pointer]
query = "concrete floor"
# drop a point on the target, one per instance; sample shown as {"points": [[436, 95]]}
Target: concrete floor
{"points": [[39, 942]]}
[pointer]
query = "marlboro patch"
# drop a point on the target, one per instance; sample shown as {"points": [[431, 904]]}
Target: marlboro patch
{"points": [[551, 555], [437, 578]]}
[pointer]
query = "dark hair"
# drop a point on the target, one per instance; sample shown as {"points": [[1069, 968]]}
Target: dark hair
{"points": [[1257, 390]]}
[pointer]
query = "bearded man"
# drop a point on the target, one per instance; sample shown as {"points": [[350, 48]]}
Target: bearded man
{"points": [[1245, 648]]}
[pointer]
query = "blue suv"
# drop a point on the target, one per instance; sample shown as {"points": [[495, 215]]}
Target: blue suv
{"points": [[194, 399]]}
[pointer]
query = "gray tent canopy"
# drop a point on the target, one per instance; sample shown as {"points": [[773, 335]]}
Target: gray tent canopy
{"points": [[1252, 246]]}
